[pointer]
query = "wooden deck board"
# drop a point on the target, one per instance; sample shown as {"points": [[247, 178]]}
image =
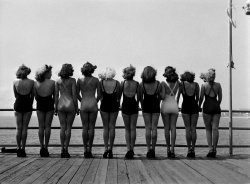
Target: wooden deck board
{"points": [[33, 169]]}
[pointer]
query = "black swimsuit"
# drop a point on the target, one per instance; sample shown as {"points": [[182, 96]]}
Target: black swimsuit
{"points": [[109, 101], [211, 104], [151, 104], [23, 103], [129, 104], [189, 104], [45, 104]]}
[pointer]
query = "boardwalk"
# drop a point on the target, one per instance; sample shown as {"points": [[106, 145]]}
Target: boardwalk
{"points": [[34, 169]]}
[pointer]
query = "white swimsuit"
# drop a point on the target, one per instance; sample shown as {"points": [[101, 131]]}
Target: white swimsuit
{"points": [[169, 104]]}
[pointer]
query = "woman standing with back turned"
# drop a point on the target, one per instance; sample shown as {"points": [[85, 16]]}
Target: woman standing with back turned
{"points": [[66, 106], [129, 90], [44, 91], [211, 109], [169, 107], [88, 86], [23, 91], [149, 96], [190, 112], [109, 109]]}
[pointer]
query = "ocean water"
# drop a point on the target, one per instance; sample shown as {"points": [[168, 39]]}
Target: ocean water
{"points": [[240, 137]]}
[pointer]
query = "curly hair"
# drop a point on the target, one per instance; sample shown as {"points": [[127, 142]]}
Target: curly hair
{"points": [[108, 73], [148, 74], [66, 71], [87, 69], [209, 76], [188, 76], [128, 72], [22, 72], [41, 73], [170, 74], [102, 75]]}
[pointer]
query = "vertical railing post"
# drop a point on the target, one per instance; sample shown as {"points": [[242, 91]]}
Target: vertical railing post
{"points": [[230, 82]]}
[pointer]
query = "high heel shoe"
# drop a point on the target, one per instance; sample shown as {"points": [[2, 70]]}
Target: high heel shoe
{"points": [[110, 154], [105, 154]]}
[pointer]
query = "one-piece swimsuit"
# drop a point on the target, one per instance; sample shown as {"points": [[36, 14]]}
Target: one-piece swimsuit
{"points": [[211, 104], [88, 103], [169, 104], [45, 104], [151, 104], [109, 101], [23, 103], [129, 104], [189, 104]]}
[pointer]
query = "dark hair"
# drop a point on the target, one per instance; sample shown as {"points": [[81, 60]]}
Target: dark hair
{"points": [[129, 72], [187, 76], [148, 74], [170, 74], [66, 71], [22, 72], [42, 73], [87, 69]]}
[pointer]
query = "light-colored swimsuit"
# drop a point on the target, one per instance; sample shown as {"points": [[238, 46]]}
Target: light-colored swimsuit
{"points": [[65, 102], [88, 103], [169, 104]]}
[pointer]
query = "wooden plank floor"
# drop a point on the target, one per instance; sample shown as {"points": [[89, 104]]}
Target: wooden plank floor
{"points": [[34, 169]]}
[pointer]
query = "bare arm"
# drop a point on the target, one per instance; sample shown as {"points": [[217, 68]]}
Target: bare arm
{"points": [[220, 94], [14, 89], [201, 95], [99, 91], [197, 93], [118, 92], [56, 97], [32, 93], [179, 93], [74, 95], [35, 92], [159, 92], [140, 95], [163, 92], [78, 90]]}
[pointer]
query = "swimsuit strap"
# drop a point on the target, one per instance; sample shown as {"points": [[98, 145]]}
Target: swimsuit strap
{"points": [[171, 90], [184, 87], [87, 83], [103, 87], [64, 85], [123, 86], [115, 87], [21, 94], [211, 90], [105, 90]]}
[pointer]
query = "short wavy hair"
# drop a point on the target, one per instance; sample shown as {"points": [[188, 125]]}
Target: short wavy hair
{"points": [[41, 73], [66, 71], [87, 69], [188, 76], [148, 74], [170, 74], [129, 72], [209, 76], [108, 73], [22, 72]]}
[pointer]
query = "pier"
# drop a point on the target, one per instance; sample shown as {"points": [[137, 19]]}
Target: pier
{"points": [[77, 169]]}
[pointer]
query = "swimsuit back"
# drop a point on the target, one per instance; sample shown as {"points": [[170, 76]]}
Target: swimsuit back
{"points": [[151, 103], [189, 104], [23, 103], [129, 104], [211, 104]]}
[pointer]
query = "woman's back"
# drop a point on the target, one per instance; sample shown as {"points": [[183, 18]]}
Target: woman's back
{"points": [[130, 88], [23, 86], [45, 88], [189, 88], [88, 86], [211, 90]]}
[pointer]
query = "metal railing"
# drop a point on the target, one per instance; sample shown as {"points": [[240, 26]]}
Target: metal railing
{"points": [[137, 127]]}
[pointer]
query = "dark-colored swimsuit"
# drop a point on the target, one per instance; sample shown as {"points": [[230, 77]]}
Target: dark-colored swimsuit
{"points": [[45, 104], [211, 104], [129, 104], [151, 104], [23, 103], [109, 101], [189, 104]]}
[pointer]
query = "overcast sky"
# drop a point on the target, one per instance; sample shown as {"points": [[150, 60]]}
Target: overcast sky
{"points": [[186, 34]]}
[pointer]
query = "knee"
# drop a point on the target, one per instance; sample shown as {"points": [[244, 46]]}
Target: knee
{"points": [[215, 129], [41, 127], [63, 127], [154, 128]]}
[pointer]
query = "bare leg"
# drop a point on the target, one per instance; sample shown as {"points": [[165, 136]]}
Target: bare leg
{"points": [[26, 120], [48, 121], [173, 120], [215, 128], [62, 118], [19, 128], [155, 120], [92, 121], [133, 122], [148, 125], [112, 122], [85, 127], [194, 120], [41, 121], [105, 121], [70, 119], [166, 122], [208, 124], [126, 119], [187, 122]]}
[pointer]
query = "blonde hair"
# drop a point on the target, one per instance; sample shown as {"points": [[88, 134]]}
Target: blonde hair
{"points": [[108, 73], [208, 76]]}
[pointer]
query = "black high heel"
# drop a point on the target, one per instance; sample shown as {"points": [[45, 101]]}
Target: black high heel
{"points": [[105, 154], [110, 154]]}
